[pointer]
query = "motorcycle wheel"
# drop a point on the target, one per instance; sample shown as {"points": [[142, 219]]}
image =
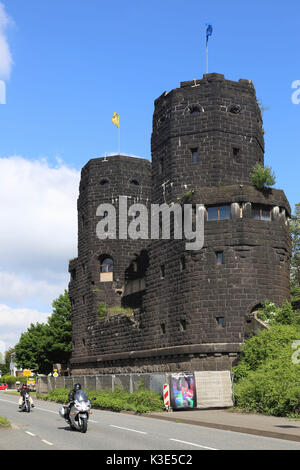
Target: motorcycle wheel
{"points": [[28, 407], [83, 426]]}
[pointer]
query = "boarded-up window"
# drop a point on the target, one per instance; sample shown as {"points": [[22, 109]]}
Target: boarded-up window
{"points": [[218, 212], [261, 212]]}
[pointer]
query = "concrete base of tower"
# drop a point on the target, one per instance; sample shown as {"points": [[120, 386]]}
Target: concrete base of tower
{"points": [[202, 357]]}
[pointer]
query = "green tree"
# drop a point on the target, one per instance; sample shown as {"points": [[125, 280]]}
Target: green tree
{"points": [[262, 176], [295, 261], [60, 324], [32, 350], [42, 345]]}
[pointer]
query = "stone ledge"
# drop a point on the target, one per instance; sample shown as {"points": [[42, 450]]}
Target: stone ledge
{"points": [[206, 348]]}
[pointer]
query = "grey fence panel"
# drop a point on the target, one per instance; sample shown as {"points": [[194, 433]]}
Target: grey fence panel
{"points": [[104, 382], [58, 382], [122, 381], [68, 382], [42, 385], [157, 381], [89, 382], [51, 384], [140, 380], [128, 382]]}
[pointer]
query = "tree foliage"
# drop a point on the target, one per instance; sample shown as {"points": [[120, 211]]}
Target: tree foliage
{"points": [[295, 261], [262, 176], [44, 344], [267, 378]]}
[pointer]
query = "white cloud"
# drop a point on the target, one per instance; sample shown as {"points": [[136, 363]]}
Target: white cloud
{"points": [[6, 61], [38, 216], [16, 290], [15, 321], [38, 236]]}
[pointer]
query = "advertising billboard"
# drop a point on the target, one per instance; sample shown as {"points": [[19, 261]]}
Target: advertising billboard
{"points": [[183, 391]]}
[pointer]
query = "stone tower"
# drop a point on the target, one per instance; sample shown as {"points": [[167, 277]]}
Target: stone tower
{"points": [[98, 274], [191, 308]]}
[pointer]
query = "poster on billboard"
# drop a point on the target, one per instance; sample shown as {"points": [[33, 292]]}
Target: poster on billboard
{"points": [[183, 391]]}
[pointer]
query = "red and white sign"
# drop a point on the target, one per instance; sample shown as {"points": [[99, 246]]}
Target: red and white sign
{"points": [[166, 396]]}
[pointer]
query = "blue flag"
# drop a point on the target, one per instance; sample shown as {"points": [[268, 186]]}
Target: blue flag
{"points": [[208, 31]]}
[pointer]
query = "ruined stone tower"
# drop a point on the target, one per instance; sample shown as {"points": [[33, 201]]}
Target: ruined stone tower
{"points": [[190, 308]]}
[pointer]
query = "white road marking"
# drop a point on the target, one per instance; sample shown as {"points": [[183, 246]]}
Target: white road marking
{"points": [[128, 429], [30, 433], [192, 444], [9, 401], [47, 442]]}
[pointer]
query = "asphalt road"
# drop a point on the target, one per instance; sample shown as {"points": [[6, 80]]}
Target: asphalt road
{"points": [[44, 429]]}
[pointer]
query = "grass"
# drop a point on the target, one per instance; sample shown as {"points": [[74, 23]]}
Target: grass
{"points": [[4, 423], [105, 312], [143, 401]]}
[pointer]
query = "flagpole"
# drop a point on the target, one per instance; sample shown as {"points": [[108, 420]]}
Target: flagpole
{"points": [[119, 139], [208, 33]]}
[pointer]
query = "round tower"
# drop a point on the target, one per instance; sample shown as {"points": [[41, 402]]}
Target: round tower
{"points": [[98, 275], [207, 137]]}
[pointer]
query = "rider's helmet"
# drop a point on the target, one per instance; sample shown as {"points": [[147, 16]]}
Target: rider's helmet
{"points": [[77, 387]]}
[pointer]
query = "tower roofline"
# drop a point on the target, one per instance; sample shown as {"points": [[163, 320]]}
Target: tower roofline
{"points": [[117, 157], [242, 83]]}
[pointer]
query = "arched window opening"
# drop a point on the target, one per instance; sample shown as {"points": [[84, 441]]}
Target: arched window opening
{"points": [[104, 182], [195, 109], [106, 269]]}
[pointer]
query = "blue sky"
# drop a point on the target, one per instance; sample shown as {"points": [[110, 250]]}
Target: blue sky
{"points": [[75, 62]]}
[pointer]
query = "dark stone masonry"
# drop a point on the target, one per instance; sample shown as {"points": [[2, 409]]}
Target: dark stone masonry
{"points": [[185, 310]]}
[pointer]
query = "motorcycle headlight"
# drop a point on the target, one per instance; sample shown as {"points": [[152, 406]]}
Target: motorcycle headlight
{"points": [[82, 406]]}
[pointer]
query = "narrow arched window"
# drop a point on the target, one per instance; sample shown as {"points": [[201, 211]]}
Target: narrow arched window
{"points": [[106, 269], [104, 182], [107, 265], [134, 182]]}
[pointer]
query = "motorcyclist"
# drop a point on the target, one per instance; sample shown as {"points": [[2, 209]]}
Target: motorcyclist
{"points": [[71, 397], [23, 390]]}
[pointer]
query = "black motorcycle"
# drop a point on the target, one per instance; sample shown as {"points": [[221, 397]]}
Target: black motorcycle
{"points": [[26, 403]]}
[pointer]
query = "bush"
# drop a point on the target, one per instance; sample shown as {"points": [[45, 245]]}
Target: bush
{"points": [[120, 311], [102, 309], [266, 380], [143, 401], [4, 423], [58, 395], [284, 315], [105, 312], [262, 176], [11, 379]]}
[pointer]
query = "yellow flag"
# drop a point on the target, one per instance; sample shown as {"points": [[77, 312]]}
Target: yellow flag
{"points": [[115, 119]]}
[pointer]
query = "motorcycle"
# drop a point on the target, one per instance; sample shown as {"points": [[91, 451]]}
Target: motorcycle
{"points": [[78, 415], [26, 403]]}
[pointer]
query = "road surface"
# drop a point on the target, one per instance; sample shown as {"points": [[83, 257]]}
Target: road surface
{"points": [[44, 429]]}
